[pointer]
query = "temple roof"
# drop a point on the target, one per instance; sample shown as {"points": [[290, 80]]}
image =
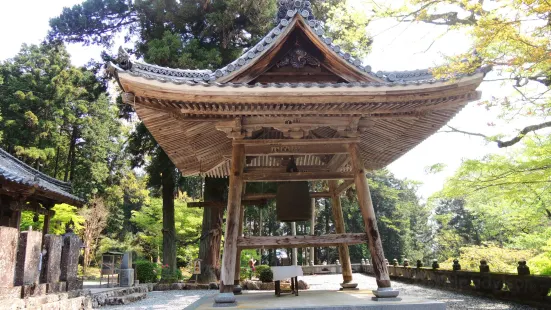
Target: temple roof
{"points": [[29, 180], [295, 84]]}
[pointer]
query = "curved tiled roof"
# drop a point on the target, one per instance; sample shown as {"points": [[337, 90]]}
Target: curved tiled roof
{"points": [[15, 171], [288, 10]]}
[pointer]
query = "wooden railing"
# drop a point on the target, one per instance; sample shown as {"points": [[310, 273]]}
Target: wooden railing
{"points": [[523, 288]]}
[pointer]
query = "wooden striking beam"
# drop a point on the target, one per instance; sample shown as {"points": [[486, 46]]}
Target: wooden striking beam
{"points": [[296, 176], [344, 186], [276, 242], [223, 204], [273, 195]]}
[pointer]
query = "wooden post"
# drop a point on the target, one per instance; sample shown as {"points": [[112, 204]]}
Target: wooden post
{"points": [[238, 256], [336, 209], [232, 219], [295, 252], [368, 213], [312, 230], [260, 225]]}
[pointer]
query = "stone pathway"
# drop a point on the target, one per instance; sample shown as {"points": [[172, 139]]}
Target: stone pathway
{"points": [[182, 299]]}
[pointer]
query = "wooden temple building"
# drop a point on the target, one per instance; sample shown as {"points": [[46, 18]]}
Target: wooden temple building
{"points": [[295, 95], [23, 188]]}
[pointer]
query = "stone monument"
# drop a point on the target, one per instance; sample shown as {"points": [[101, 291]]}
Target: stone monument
{"points": [[8, 254], [126, 274], [69, 260], [28, 258]]}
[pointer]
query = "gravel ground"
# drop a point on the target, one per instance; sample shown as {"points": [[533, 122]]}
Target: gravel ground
{"points": [[453, 300], [182, 299]]}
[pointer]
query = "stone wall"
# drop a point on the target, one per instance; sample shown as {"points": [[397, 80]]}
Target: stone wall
{"points": [[521, 288]]}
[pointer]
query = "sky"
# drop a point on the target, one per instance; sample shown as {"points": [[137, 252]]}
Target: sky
{"points": [[402, 47]]}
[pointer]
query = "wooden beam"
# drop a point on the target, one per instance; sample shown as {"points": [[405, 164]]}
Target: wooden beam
{"points": [[273, 195], [276, 242], [223, 204], [343, 186], [267, 147], [296, 176], [284, 169]]}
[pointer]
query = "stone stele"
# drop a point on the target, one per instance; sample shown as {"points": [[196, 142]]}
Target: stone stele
{"points": [[51, 261], [69, 257], [28, 258], [8, 254]]}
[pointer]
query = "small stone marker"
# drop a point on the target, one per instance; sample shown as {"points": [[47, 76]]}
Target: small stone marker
{"points": [[419, 263], [8, 255], [456, 266], [435, 264], [522, 269], [484, 266]]}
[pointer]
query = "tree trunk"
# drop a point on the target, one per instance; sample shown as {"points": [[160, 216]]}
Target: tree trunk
{"points": [[169, 226], [70, 156], [211, 234]]}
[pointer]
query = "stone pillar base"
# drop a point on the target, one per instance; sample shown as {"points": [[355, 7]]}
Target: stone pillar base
{"points": [[126, 277], [237, 289], [386, 292], [349, 286], [225, 300], [58, 287]]}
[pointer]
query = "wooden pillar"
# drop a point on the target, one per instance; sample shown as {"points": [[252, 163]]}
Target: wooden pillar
{"points": [[260, 226], [295, 250], [312, 230], [238, 256], [344, 254], [232, 218], [368, 213]]}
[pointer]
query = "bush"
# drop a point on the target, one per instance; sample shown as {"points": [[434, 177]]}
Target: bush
{"points": [[259, 269], [147, 272], [168, 276], [244, 273], [266, 275], [500, 259]]}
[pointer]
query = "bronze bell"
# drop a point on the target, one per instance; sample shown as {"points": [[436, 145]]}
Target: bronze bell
{"points": [[293, 202]]}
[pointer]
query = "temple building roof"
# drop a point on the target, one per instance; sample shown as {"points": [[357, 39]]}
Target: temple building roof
{"points": [[19, 179], [297, 84]]}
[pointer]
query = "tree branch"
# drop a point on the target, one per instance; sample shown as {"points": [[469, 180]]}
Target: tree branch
{"points": [[501, 143]]}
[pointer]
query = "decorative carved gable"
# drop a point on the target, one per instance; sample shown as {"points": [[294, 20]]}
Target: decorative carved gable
{"points": [[298, 58]]}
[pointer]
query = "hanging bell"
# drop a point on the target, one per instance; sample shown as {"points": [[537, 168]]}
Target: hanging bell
{"points": [[293, 202]]}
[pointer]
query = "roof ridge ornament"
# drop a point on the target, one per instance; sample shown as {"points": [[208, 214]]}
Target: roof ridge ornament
{"points": [[288, 9]]}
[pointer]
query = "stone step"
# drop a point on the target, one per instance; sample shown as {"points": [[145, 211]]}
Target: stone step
{"points": [[124, 300]]}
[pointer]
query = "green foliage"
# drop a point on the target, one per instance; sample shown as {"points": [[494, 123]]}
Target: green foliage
{"points": [[266, 275], [168, 275], [147, 272], [260, 269], [64, 214], [541, 264], [148, 221], [247, 254], [499, 259]]}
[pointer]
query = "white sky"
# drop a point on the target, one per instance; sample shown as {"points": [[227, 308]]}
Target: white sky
{"points": [[395, 48]]}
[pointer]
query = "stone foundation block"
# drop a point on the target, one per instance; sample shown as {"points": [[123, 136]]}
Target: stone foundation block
{"points": [[33, 290], [10, 292], [73, 285], [58, 287]]}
